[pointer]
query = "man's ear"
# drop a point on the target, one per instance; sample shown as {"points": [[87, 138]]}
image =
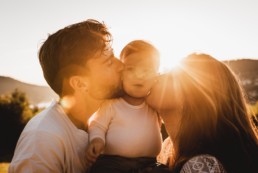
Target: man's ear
{"points": [[78, 83]]}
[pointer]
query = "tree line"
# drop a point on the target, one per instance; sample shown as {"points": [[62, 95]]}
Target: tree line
{"points": [[15, 112]]}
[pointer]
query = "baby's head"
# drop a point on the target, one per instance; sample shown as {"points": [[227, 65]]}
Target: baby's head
{"points": [[144, 48], [141, 60]]}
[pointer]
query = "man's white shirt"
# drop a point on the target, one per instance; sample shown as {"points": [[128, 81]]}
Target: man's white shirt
{"points": [[50, 142]]}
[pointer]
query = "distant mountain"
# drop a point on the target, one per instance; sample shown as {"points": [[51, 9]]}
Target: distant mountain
{"points": [[247, 72], [243, 67], [35, 93]]}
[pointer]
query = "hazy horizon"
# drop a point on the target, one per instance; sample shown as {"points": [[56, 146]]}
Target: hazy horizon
{"points": [[225, 29]]}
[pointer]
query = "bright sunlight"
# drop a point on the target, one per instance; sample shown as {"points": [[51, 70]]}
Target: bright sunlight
{"points": [[169, 63]]}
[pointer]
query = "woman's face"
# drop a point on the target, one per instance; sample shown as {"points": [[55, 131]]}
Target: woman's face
{"points": [[163, 96]]}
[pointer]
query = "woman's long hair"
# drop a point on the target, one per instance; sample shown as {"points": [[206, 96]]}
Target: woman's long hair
{"points": [[214, 119]]}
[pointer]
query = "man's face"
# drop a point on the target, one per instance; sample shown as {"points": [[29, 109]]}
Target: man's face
{"points": [[104, 77]]}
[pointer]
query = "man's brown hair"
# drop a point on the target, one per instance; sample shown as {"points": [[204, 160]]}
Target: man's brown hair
{"points": [[66, 52]]}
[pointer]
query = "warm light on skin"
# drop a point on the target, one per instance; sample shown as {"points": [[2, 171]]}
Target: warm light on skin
{"points": [[161, 94], [67, 102]]}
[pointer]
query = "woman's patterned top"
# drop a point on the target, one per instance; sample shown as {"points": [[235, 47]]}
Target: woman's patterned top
{"points": [[203, 164]]}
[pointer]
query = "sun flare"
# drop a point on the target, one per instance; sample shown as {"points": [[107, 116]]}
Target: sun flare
{"points": [[169, 64]]}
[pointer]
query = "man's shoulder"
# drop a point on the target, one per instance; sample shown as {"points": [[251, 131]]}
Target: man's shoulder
{"points": [[48, 120]]}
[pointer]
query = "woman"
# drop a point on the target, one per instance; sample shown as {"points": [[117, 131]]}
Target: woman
{"points": [[205, 114]]}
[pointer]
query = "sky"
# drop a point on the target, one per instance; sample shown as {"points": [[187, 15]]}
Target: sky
{"points": [[225, 29]]}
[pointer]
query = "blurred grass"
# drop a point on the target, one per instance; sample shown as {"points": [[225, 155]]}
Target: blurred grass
{"points": [[4, 167], [253, 108]]}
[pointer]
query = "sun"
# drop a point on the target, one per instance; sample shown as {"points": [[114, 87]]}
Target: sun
{"points": [[168, 64]]}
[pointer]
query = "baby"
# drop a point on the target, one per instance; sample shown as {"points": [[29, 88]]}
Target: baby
{"points": [[126, 131]]}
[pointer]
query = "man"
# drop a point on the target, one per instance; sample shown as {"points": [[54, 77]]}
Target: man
{"points": [[79, 65]]}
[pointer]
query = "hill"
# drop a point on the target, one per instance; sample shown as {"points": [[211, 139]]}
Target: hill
{"points": [[35, 93], [247, 72], [244, 67]]}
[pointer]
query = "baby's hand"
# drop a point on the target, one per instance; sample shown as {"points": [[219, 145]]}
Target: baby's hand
{"points": [[94, 149]]}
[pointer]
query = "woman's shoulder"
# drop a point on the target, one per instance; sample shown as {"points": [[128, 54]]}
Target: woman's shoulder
{"points": [[203, 163]]}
